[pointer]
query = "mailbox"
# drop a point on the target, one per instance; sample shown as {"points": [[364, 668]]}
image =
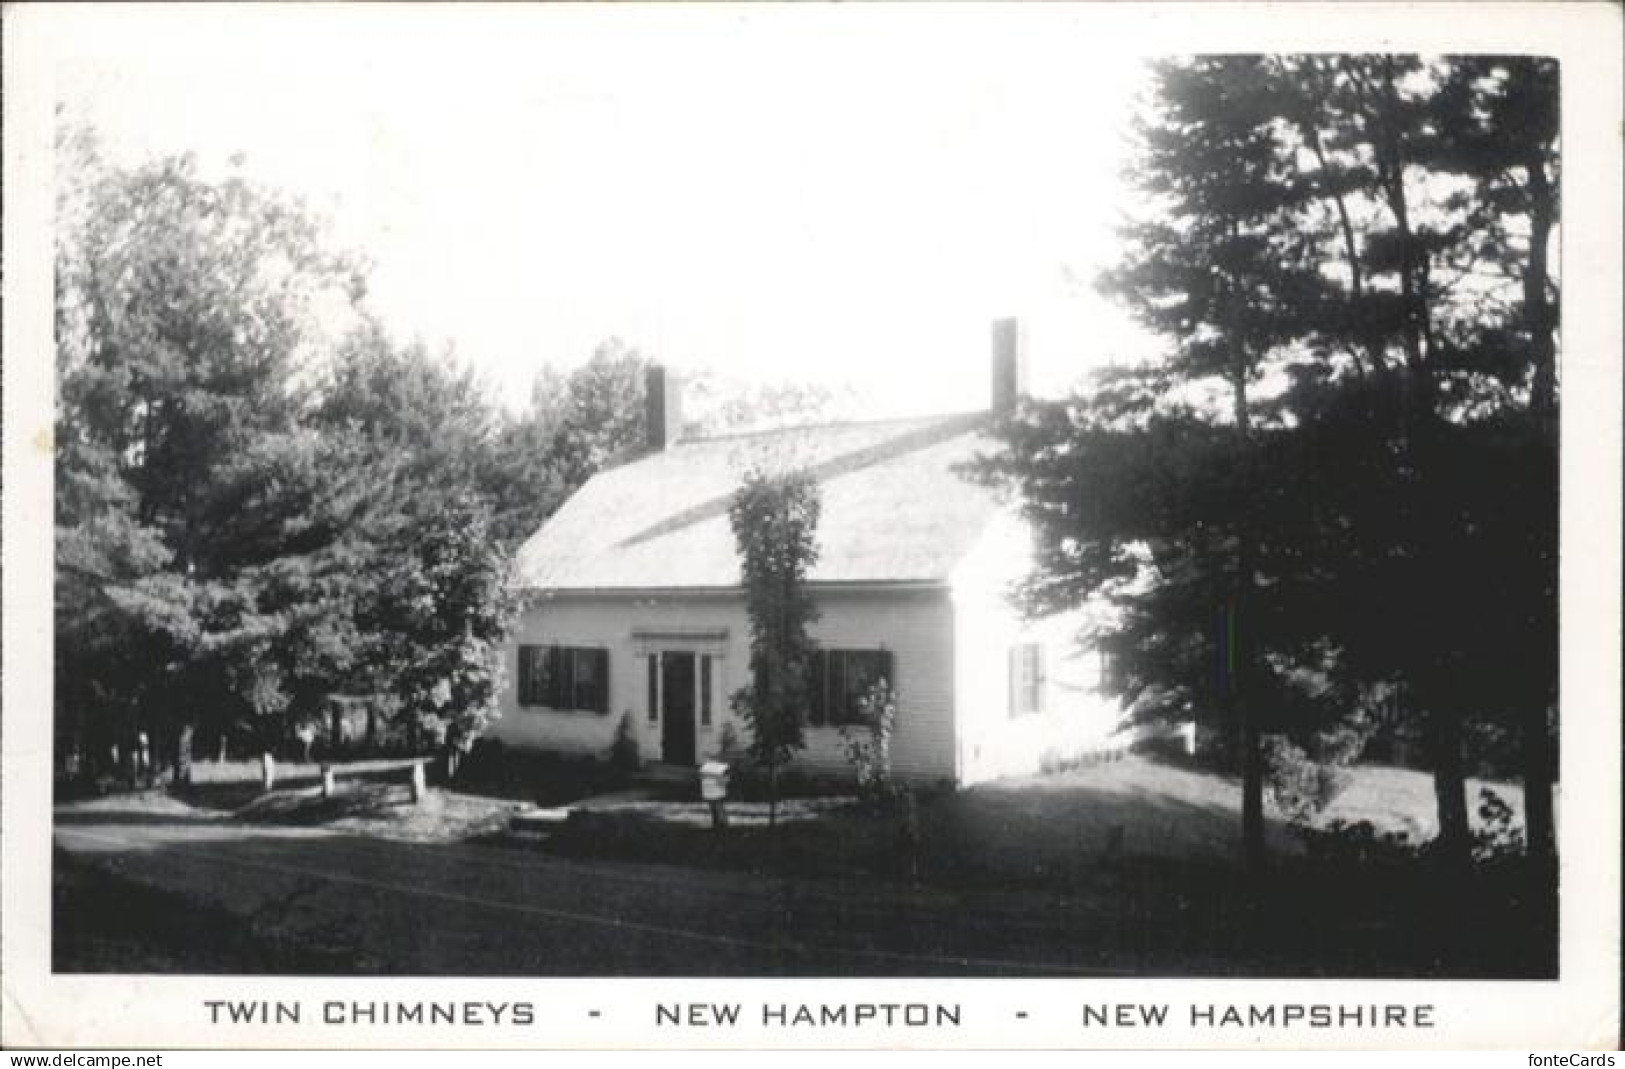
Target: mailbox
{"points": [[713, 781]]}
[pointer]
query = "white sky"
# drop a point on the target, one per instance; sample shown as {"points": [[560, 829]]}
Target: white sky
{"points": [[829, 194]]}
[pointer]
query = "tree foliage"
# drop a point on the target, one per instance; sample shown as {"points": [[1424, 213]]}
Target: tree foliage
{"points": [[775, 525], [1336, 490], [263, 500], [189, 504], [576, 424]]}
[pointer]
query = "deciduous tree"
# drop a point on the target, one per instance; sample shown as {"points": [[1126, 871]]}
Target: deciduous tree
{"points": [[775, 525]]}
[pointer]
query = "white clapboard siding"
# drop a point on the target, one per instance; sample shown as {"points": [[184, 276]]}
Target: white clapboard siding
{"points": [[1076, 720], [915, 625]]}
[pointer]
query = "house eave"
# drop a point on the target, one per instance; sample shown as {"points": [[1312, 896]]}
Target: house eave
{"points": [[877, 586]]}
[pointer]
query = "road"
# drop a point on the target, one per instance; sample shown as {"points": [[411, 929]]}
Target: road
{"points": [[383, 907]]}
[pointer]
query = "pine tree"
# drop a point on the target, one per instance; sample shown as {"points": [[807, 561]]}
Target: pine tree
{"points": [[1350, 251], [1449, 168], [1217, 267], [184, 308]]}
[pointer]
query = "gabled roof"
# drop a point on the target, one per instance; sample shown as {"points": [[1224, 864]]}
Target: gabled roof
{"points": [[894, 509]]}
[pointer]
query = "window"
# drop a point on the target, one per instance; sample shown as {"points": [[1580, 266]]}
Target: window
{"points": [[1026, 679], [840, 680], [1110, 679], [564, 677]]}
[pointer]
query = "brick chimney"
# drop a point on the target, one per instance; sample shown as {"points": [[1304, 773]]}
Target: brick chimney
{"points": [[1009, 365], [662, 408]]}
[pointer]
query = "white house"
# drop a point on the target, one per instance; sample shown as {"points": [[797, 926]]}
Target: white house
{"points": [[633, 603]]}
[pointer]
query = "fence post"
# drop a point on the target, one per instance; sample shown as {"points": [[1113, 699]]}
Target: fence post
{"points": [[267, 771], [419, 786], [327, 780]]}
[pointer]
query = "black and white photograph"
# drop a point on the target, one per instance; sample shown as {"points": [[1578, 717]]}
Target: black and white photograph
{"points": [[850, 493]]}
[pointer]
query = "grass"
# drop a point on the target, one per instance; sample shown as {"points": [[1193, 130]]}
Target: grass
{"points": [[544, 779], [125, 926], [1039, 827], [1402, 800], [1044, 827], [1148, 852], [372, 798], [385, 810], [1137, 857]]}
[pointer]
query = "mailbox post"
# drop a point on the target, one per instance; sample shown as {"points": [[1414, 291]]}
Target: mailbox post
{"points": [[714, 791]]}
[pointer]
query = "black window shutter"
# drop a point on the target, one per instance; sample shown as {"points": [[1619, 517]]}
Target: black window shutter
{"points": [[600, 664], [820, 699], [524, 674], [705, 690], [834, 686], [541, 675], [558, 678], [840, 700]]}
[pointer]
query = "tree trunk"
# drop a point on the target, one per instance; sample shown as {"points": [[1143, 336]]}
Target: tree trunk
{"points": [[1536, 307], [1539, 813], [1252, 793], [183, 756], [773, 795], [1240, 653], [1449, 786], [1540, 822]]}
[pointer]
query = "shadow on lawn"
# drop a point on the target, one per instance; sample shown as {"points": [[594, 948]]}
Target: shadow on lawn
{"points": [[231, 795], [104, 923], [132, 818], [353, 799], [1155, 916], [1146, 858], [541, 778]]}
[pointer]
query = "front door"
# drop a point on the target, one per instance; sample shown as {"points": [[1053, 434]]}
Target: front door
{"points": [[677, 708]]}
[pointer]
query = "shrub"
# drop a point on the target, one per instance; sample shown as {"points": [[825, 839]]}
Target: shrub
{"points": [[1358, 842], [728, 745], [624, 755], [1302, 787], [1500, 835]]}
